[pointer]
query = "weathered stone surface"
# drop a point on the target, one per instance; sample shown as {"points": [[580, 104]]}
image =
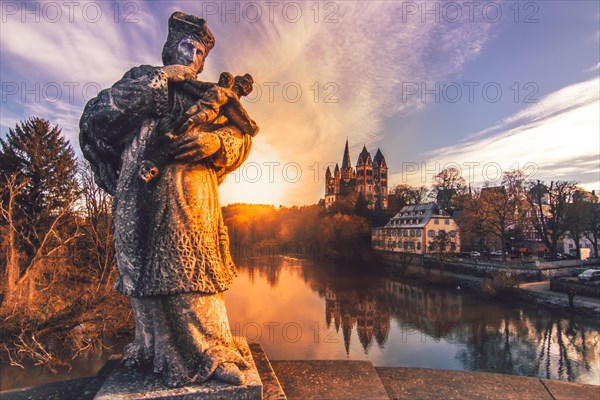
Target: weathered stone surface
{"points": [[435, 384], [127, 384], [272, 389], [331, 380], [571, 390], [161, 142]]}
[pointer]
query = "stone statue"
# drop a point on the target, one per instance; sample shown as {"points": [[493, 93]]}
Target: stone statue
{"points": [[161, 142]]}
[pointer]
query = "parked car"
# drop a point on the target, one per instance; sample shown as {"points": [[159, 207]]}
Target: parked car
{"points": [[559, 257], [497, 253], [475, 254], [589, 275], [568, 256], [464, 254]]}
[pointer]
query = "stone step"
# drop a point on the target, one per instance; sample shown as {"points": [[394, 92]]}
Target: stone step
{"points": [[329, 379], [346, 379], [271, 387], [434, 384]]}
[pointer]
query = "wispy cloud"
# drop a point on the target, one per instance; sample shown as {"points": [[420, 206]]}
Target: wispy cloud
{"points": [[557, 138]]}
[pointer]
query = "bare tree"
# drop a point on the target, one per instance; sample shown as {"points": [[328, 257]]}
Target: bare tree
{"points": [[549, 203], [446, 186], [474, 220], [97, 239], [592, 226], [12, 189], [575, 219], [503, 204]]}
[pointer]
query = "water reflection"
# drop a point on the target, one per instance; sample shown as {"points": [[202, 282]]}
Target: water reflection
{"points": [[395, 323], [351, 309], [306, 310]]}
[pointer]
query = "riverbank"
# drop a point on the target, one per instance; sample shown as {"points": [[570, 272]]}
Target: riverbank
{"points": [[345, 379], [529, 284]]}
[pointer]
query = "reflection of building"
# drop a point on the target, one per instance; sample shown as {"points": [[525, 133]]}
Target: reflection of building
{"points": [[347, 309], [414, 228], [433, 312], [369, 179]]}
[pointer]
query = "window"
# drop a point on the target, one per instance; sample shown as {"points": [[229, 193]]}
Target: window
{"points": [[418, 233], [418, 245], [452, 233], [446, 222], [412, 233], [436, 221], [431, 233]]}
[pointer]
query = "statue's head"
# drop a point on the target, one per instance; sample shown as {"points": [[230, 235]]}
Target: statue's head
{"points": [[188, 42]]}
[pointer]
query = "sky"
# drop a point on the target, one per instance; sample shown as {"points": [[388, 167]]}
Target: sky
{"points": [[486, 87]]}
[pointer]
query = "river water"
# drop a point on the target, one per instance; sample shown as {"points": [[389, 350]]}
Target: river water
{"points": [[302, 309]]}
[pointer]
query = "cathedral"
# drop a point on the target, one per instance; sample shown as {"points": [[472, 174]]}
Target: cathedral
{"points": [[369, 178]]}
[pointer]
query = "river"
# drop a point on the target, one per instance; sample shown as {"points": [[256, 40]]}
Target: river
{"points": [[300, 309]]}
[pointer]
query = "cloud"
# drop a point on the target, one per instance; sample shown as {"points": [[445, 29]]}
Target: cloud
{"points": [[318, 82], [557, 138]]}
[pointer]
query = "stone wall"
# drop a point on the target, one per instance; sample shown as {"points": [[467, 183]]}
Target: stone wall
{"points": [[524, 272]]}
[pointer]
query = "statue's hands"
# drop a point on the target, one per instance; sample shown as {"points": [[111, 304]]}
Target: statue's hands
{"points": [[195, 146], [179, 73]]}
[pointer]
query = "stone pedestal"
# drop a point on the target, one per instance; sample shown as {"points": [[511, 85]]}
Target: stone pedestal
{"points": [[124, 384]]}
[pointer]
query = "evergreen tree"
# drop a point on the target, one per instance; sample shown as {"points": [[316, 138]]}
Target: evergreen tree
{"points": [[42, 158]]}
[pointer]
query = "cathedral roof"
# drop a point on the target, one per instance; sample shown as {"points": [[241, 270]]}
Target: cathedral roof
{"points": [[364, 156], [346, 160], [379, 158]]}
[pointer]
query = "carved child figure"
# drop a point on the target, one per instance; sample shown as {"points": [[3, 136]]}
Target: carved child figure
{"points": [[212, 103]]}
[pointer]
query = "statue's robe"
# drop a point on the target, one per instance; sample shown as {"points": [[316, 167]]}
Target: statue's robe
{"points": [[168, 232]]}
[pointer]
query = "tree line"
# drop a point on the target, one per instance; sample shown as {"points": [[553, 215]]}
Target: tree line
{"points": [[512, 212]]}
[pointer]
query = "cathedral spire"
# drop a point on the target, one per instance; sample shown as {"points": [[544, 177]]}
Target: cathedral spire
{"points": [[346, 161]]}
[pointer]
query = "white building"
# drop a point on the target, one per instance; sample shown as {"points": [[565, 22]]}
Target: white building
{"points": [[413, 229]]}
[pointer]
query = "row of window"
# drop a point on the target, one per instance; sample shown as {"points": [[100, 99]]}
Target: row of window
{"points": [[398, 222], [398, 245], [408, 233], [398, 232], [431, 233], [409, 213], [436, 221]]}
